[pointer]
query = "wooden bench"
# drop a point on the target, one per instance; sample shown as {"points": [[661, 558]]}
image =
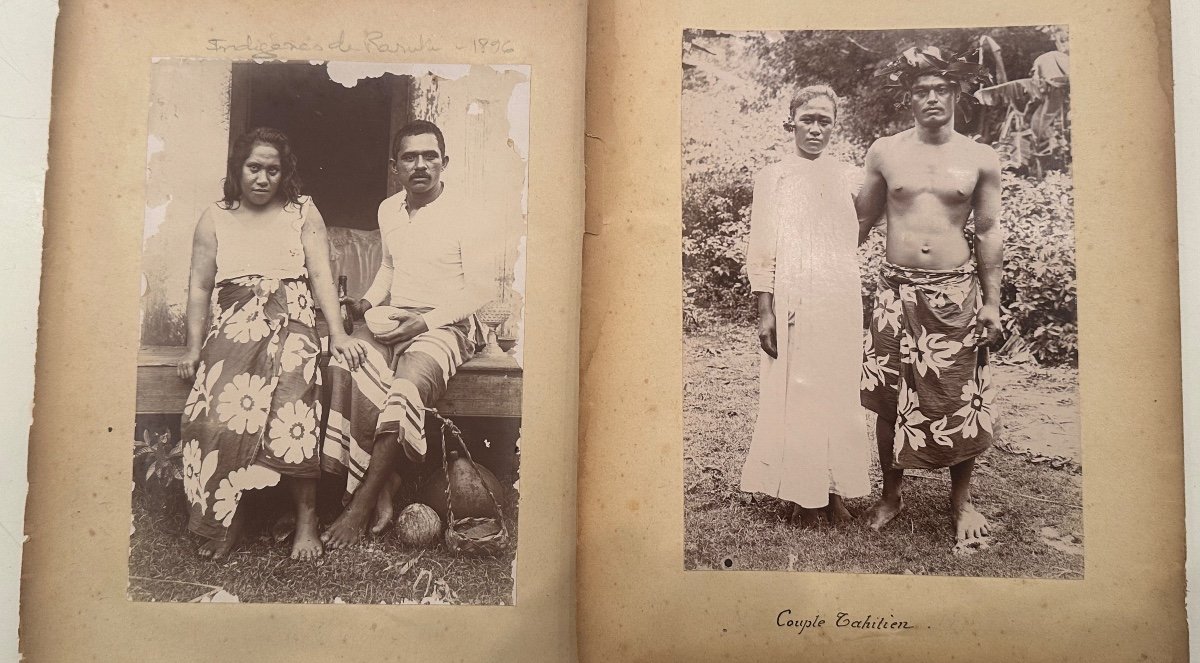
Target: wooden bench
{"points": [[483, 399], [483, 387]]}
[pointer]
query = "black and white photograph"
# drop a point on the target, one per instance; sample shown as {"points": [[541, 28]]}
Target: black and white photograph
{"points": [[329, 382], [880, 370]]}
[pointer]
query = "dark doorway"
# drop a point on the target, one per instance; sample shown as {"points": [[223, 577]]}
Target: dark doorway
{"points": [[340, 134]]}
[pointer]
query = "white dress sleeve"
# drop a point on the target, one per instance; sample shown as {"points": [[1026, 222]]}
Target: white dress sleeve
{"points": [[764, 236]]}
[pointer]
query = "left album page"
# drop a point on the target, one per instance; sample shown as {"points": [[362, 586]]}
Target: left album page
{"points": [[308, 334]]}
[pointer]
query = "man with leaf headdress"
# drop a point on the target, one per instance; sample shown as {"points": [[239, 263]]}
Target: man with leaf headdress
{"points": [[937, 305]]}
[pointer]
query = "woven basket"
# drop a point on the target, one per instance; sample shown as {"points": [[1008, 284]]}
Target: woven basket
{"points": [[475, 535]]}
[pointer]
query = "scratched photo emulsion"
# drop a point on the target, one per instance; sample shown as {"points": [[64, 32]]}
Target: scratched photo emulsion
{"points": [[330, 375], [880, 342]]}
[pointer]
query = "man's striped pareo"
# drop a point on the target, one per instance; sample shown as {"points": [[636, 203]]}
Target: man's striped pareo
{"points": [[390, 393]]}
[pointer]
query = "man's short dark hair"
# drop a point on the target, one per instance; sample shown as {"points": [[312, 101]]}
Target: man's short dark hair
{"points": [[418, 128]]}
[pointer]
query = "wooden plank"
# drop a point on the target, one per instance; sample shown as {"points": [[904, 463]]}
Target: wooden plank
{"points": [[483, 387], [168, 355]]}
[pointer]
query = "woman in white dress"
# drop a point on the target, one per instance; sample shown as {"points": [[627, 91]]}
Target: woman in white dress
{"points": [[809, 445]]}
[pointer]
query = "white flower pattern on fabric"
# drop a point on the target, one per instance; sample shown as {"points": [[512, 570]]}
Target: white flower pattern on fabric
{"points": [[977, 413], [300, 353], [264, 287], [887, 311], [907, 420], [293, 432], [930, 352], [229, 492], [936, 298], [244, 403], [196, 474], [248, 325], [875, 368], [958, 292], [300, 305], [941, 432], [200, 398], [216, 316]]}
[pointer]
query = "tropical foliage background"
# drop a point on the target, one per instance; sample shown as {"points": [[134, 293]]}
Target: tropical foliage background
{"points": [[736, 88]]}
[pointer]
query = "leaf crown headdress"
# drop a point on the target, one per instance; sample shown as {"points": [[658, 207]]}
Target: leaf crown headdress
{"points": [[900, 73]]}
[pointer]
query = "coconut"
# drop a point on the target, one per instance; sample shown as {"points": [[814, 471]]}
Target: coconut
{"points": [[472, 486], [418, 525]]}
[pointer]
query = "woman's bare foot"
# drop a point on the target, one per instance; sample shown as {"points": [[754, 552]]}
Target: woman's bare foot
{"points": [[307, 544], [805, 518], [971, 528], [884, 511], [219, 550], [347, 530], [836, 512]]}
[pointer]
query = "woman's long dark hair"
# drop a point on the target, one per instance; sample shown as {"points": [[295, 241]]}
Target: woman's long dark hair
{"points": [[289, 185]]}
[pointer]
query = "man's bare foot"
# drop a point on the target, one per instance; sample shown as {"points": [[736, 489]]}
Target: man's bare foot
{"points": [[884, 511], [971, 528], [347, 530], [836, 512], [307, 544], [805, 518], [385, 505], [382, 517]]}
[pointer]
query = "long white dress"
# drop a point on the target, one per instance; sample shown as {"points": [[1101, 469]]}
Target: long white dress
{"points": [[810, 438]]}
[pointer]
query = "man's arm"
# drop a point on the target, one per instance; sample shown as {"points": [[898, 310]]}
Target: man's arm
{"points": [[989, 243], [871, 200]]}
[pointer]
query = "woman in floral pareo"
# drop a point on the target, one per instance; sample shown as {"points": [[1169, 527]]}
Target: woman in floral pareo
{"points": [[259, 257]]}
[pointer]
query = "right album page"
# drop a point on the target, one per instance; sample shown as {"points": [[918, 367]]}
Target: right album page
{"points": [[880, 334]]}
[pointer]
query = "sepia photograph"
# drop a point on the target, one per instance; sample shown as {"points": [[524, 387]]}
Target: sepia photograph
{"points": [[879, 309], [329, 381]]}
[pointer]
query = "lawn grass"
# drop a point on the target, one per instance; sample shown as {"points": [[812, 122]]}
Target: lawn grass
{"points": [[1037, 527], [164, 566]]}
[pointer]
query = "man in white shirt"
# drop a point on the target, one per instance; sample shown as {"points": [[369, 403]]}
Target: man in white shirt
{"points": [[437, 269]]}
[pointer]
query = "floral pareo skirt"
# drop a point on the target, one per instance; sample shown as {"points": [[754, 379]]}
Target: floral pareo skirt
{"points": [[923, 368], [254, 409]]}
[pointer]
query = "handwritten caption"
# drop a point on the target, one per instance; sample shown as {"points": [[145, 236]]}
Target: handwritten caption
{"points": [[273, 47], [843, 620]]}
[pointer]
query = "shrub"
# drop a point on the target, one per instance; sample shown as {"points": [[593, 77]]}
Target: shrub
{"points": [[716, 220], [1038, 295]]}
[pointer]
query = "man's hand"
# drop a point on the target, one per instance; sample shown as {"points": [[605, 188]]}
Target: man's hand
{"points": [[411, 326], [766, 334], [357, 307], [188, 363], [987, 328]]}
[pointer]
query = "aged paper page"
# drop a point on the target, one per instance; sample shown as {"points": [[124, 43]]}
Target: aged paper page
{"points": [[25, 126], [133, 84], [651, 578], [1185, 34]]}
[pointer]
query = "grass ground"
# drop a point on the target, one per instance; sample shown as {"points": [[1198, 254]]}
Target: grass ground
{"points": [[164, 566], [1030, 492]]}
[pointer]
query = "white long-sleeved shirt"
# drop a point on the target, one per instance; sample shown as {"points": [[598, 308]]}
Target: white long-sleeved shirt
{"points": [[438, 257]]}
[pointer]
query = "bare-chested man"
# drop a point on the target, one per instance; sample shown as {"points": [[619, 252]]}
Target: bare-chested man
{"points": [[925, 371]]}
